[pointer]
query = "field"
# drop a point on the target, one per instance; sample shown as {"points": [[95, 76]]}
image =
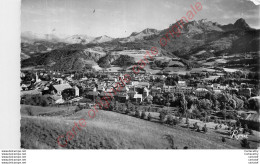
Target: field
{"points": [[110, 130]]}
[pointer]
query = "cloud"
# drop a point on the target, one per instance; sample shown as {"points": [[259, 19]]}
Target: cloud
{"points": [[170, 5]]}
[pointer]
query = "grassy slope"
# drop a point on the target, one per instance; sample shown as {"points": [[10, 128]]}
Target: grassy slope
{"points": [[36, 110], [109, 130]]}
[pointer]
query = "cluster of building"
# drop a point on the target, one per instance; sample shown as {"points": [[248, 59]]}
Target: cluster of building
{"points": [[62, 88]]}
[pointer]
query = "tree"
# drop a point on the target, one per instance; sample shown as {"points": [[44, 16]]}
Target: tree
{"points": [[137, 113], [224, 98], [169, 120], [187, 121], [149, 117], [29, 111], [243, 115], [162, 116], [214, 100], [245, 144], [205, 129], [223, 139], [254, 104], [168, 104], [143, 115], [170, 139], [205, 104], [207, 75], [183, 102]]}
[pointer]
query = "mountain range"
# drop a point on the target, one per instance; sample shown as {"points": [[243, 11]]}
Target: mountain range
{"points": [[30, 37], [199, 40]]}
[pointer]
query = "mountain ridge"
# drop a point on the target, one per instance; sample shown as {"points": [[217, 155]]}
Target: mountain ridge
{"points": [[204, 36]]}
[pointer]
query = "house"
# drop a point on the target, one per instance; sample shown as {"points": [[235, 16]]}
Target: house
{"points": [[107, 95], [37, 78], [185, 90], [100, 88], [122, 97], [182, 83], [59, 88], [92, 95], [91, 88], [149, 98], [59, 81], [201, 92], [131, 94], [216, 86], [155, 91], [30, 92], [24, 87], [141, 84], [167, 88], [57, 99], [76, 99], [217, 91], [145, 92], [76, 90], [138, 98], [245, 92]]}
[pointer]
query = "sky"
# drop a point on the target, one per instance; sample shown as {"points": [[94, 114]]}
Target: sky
{"points": [[119, 18]]}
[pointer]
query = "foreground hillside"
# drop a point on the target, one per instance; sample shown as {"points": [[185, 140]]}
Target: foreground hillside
{"points": [[109, 130]]}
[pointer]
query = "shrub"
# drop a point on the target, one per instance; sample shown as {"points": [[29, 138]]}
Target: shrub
{"points": [[170, 139], [244, 143], [229, 123], [123, 110], [143, 115], [198, 129], [169, 120], [223, 139], [187, 121], [250, 131], [44, 103], [216, 127], [185, 147], [188, 125], [228, 128], [162, 115], [149, 117], [245, 128], [243, 115], [238, 124], [29, 111], [205, 129], [127, 111], [137, 114], [175, 121], [195, 125], [180, 119], [77, 108]]}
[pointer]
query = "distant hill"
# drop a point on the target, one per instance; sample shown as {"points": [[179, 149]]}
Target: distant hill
{"points": [[102, 39], [64, 59], [78, 39], [145, 34]]}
